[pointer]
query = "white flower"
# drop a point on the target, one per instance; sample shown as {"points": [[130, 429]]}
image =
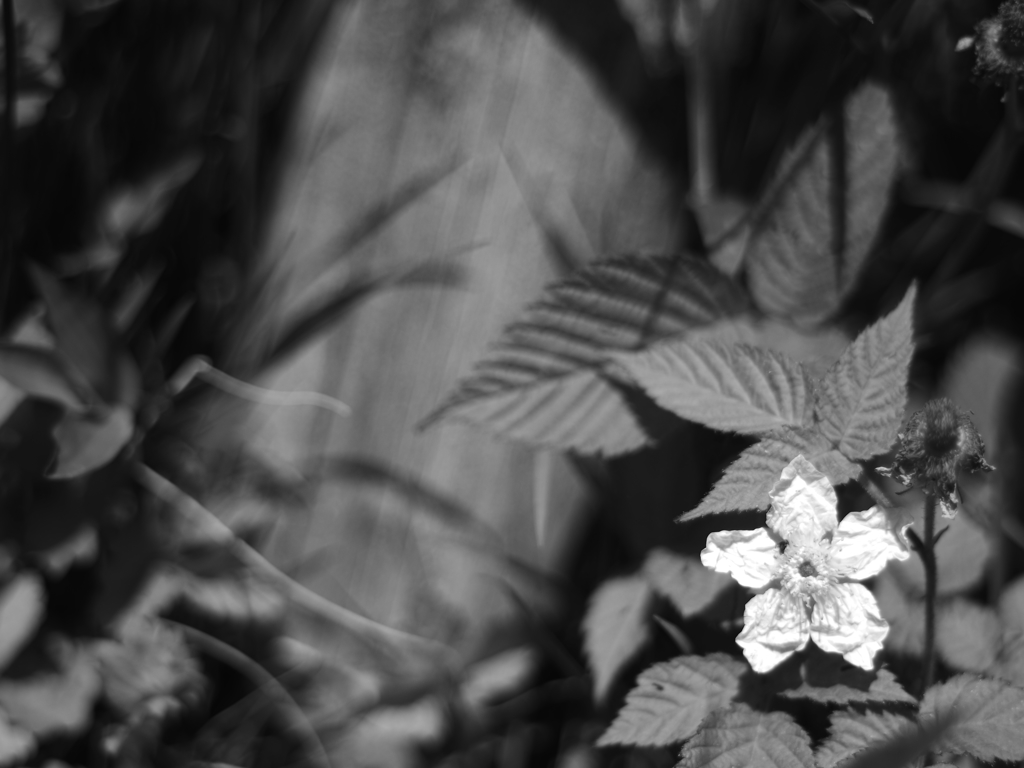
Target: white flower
{"points": [[807, 564]]}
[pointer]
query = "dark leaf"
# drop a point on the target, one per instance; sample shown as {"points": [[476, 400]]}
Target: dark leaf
{"points": [[819, 218], [542, 382]]}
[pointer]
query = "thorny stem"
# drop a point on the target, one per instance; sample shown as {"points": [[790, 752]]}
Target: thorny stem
{"points": [[927, 553], [7, 200]]}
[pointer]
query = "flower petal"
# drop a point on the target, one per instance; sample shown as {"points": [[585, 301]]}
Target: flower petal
{"points": [[775, 626], [803, 504], [747, 556], [866, 541], [845, 620]]}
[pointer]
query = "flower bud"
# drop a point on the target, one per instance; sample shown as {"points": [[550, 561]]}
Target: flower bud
{"points": [[935, 443]]}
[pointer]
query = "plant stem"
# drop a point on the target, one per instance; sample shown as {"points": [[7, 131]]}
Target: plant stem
{"points": [[10, 124], [930, 577]]}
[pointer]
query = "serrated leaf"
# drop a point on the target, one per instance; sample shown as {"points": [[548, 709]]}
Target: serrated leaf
{"points": [[22, 606], [986, 717], [968, 636], [861, 399], [672, 698], [685, 581], [819, 219], [542, 382], [852, 732], [743, 736], [615, 628], [731, 387], [747, 481], [827, 679]]}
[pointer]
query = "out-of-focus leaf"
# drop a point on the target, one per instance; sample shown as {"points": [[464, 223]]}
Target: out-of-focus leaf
{"points": [[16, 744], [851, 732], [1011, 605], [49, 703], [986, 714], [542, 382], [672, 698], [968, 636], [742, 736], [615, 628], [81, 546], [81, 332], [819, 218], [734, 387], [314, 320], [860, 401], [905, 615], [748, 480], [828, 679], [137, 209], [148, 660], [684, 581], [85, 443], [242, 600], [43, 374], [499, 676], [964, 551], [22, 606]]}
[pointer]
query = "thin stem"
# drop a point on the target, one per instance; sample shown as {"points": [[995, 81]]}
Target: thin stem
{"points": [[10, 123], [930, 577]]}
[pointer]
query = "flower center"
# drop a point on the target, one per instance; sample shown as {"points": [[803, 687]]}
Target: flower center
{"points": [[807, 568]]}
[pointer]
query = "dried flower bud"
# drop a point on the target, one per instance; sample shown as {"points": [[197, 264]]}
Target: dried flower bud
{"points": [[1000, 43], [934, 444]]}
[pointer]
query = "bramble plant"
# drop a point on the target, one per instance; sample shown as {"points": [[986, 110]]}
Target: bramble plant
{"points": [[609, 359]]}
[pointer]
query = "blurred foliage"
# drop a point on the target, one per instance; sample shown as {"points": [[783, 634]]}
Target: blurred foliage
{"points": [[140, 162]]}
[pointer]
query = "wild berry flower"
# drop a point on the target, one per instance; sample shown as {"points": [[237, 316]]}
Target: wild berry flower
{"points": [[934, 444], [807, 564]]}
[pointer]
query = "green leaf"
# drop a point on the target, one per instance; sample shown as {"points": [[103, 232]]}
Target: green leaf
{"points": [[905, 614], [852, 732], [861, 399], [968, 636], [49, 703], [615, 628], [542, 382], [743, 736], [748, 480], [827, 679], [41, 373], [672, 698], [85, 444], [1011, 604], [964, 551], [813, 232], [22, 605], [81, 332], [16, 744], [735, 387], [987, 717], [685, 581]]}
